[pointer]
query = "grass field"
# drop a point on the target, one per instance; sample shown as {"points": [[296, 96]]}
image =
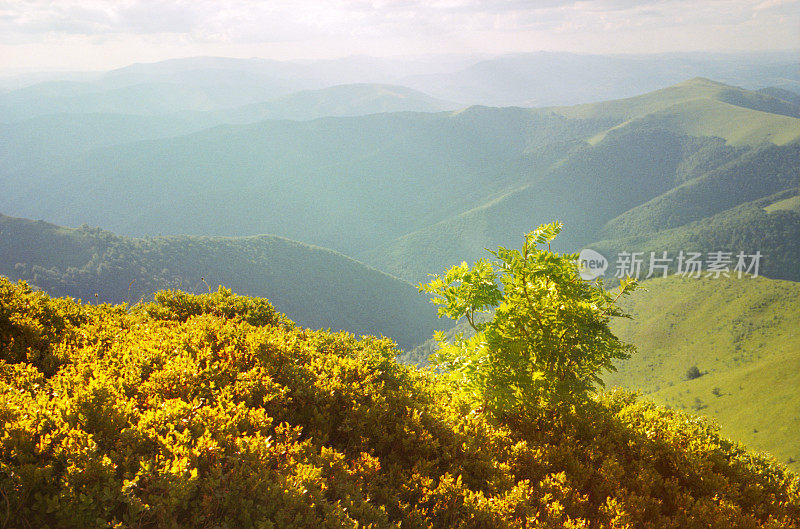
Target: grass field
{"points": [[743, 335]]}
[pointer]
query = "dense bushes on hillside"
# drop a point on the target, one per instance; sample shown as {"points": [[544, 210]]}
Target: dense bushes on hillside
{"points": [[213, 411]]}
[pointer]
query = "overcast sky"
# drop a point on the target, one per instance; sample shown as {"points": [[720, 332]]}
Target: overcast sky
{"points": [[95, 34]]}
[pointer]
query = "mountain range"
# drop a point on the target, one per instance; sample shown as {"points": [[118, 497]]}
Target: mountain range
{"points": [[523, 79], [391, 189]]}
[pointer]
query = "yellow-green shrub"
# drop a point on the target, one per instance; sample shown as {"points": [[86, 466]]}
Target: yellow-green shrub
{"points": [[204, 411]]}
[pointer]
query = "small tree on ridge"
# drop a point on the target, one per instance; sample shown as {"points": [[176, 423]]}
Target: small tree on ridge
{"points": [[548, 338]]}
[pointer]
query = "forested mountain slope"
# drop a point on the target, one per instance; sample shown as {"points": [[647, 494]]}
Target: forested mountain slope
{"points": [[662, 165], [316, 287], [389, 188]]}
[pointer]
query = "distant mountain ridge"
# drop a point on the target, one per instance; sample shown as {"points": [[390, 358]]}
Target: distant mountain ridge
{"points": [[525, 79], [340, 100], [213, 104], [558, 78]]}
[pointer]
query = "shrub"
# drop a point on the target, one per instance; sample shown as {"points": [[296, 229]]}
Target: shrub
{"points": [[548, 337], [693, 373], [213, 422]]}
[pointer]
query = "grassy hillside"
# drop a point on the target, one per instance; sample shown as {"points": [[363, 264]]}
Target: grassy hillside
{"points": [[314, 286], [742, 335], [697, 89], [198, 410], [715, 118], [702, 107]]}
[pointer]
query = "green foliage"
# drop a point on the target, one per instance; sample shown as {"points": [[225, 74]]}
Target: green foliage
{"points": [[693, 373], [154, 421], [180, 306], [548, 338]]}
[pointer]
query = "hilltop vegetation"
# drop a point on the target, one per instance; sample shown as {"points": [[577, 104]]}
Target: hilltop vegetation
{"points": [[166, 412], [214, 409], [316, 287], [740, 335]]}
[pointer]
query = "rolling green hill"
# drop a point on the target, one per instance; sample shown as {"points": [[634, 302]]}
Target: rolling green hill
{"points": [[697, 89], [410, 193], [661, 166], [601, 204], [742, 335], [748, 228], [736, 124], [344, 183], [755, 174], [314, 286]]}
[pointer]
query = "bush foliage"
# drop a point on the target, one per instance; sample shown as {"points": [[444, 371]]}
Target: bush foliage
{"points": [[547, 338], [212, 411]]}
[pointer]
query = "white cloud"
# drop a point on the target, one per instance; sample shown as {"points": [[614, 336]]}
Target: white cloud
{"points": [[391, 27]]}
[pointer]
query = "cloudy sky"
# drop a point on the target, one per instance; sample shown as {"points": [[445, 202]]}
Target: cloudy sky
{"points": [[97, 34]]}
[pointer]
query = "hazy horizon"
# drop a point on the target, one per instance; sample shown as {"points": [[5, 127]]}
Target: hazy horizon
{"points": [[85, 35]]}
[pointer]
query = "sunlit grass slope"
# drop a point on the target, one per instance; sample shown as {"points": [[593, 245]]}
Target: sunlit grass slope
{"points": [[737, 125], [697, 89], [743, 335]]}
